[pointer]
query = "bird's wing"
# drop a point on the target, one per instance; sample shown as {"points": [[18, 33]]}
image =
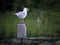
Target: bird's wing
{"points": [[20, 13]]}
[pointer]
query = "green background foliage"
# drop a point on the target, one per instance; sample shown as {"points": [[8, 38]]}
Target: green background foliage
{"points": [[48, 11]]}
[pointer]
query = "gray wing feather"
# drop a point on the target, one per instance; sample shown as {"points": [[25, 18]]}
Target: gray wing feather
{"points": [[20, 14]]}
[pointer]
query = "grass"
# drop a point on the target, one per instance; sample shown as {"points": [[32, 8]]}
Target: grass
{"points": [[48, 26]]}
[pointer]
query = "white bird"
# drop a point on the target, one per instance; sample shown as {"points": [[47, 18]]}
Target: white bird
{"points": [[22, 14]]}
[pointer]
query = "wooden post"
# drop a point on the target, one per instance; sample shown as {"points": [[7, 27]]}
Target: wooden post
{"points": [[21, 31]]}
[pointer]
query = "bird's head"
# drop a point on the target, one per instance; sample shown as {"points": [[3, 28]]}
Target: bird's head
{"points": [[25, 9]]}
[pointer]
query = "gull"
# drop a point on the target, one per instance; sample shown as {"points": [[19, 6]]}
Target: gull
{"points": [[22, 14]]}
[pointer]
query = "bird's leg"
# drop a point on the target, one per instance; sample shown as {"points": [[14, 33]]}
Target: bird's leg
{"points": [[22, 20]]}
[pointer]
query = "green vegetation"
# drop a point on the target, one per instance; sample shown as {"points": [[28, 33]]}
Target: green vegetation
{"points": [[49, 25], [48, 11]]}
